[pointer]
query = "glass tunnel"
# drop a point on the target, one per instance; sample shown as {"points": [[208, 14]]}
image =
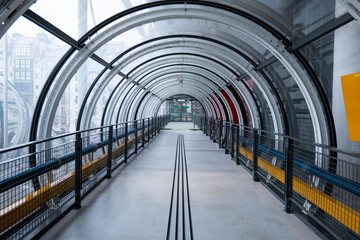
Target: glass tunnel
{"points": [[77, 70]]}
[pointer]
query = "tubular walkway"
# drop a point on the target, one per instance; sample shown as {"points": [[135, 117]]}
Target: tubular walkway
{"points": [[225, 202]]}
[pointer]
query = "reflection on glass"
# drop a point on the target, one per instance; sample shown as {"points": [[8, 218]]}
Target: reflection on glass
{"points": [[16, 126]]}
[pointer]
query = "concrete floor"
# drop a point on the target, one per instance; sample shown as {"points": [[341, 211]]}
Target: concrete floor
{"points": [[225, 202]]}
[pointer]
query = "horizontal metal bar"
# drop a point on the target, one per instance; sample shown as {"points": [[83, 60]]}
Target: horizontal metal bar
{"points": [[228, 84], [241, 77], [323, 30], [101, 61], [337, 180], [9, 149], [41, 22], [306, 142], [123, 75], [266, 63], [31, 173]]}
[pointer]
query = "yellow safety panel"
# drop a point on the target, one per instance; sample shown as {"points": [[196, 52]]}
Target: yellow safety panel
{"points": [[351, 91], [20, 209], [17, 211], [341, 212]]}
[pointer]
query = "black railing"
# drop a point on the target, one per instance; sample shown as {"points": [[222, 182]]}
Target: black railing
{"points": [[67, 167], [323, 188]]}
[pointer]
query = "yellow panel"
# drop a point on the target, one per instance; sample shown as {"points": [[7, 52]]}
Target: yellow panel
{"points": [[351, 91], [341, 212], [13, 213]]}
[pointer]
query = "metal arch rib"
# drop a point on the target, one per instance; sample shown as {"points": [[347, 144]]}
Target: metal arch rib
{"points": [[124, 63], [148, 75], [200, 78], [158, 77], [146, 102], [152, 66], [206, 96], [171, 92], [158, 105], [154, 102], [223, 86], [284, 57], [199, 89], [133, 77], [194, 82]]}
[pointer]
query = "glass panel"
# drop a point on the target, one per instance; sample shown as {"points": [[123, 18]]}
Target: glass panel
{"points": [[320, 55], [62, 14], [17, 124], [100, 10], [293, 101], [292, 18], [100, 105], [29, 56], [33, 53], [119, 44], [68, 109], [196, 27]]}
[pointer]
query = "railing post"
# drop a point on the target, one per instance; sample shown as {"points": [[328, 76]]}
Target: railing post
{"points": [[143, 133], [136, 135], [148, 130], [109, 162], [159, 123], [126, 143], [201, 123], [155, 126], [214, 130], [220, 132], [209, 127], [232, 140], [237, 145], [288, 173], [78, 170], [214, 126], [255, 155], [152, 127], [226, 137], [205, 126]]}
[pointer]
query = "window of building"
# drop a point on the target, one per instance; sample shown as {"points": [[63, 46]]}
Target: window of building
{"points": [[22, 63], [28, 75], [17, 63], [17, 51], [28, 51], [28, 64], [22, 51]]}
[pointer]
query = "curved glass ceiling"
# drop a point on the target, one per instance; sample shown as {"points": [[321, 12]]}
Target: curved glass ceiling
{"points": [[223, 53]]}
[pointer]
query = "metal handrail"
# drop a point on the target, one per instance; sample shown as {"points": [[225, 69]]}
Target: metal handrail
{"points": [[9, 149], [335, 179]]}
